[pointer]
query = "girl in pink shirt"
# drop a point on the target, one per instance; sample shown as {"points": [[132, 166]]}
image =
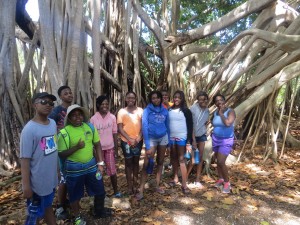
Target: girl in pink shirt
{"points": [[106, 124]]}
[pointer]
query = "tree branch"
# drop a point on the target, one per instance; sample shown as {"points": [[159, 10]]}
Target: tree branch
{"points": [[238, 13]]}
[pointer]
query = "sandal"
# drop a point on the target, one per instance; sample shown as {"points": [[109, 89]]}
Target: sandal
{"points": [[160, 190], [185, 190], [173, 183], [139, 196]]}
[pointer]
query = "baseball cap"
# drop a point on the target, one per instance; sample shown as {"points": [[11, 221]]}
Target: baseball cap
{"points": [[43, 95]]}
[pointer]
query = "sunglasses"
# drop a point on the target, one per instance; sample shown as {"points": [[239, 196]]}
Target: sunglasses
{"points": [[45, 102]]}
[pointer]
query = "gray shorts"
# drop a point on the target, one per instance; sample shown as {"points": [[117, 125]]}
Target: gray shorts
{"points": [[159, 141]]}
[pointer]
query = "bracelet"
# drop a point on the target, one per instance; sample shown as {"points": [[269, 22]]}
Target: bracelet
{"points": [[101, 163]]}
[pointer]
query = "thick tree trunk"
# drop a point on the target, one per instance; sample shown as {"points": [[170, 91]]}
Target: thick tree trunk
{"points": [[11, 118]]}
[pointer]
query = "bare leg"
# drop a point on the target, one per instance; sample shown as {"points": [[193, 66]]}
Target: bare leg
{"points": [[181, 150], [62, 194], [174, 162], [189, 167], [75, 208], [129, 177], [200, 165], [114, 183], [222, 168], [144, 174], [136, 168], [160, 162], [49, 216]]}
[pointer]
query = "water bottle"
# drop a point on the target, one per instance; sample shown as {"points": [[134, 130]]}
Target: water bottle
{"points": [[98, 175], [128, 148], [187, 155], [197, 156], [34, 209], [150, 166]]}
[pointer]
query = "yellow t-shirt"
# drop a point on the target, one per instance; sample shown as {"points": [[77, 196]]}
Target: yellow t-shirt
{"points": [[132, 122], [86, 134]]}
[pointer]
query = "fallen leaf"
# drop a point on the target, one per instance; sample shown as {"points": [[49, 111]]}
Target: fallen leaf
{"points": [[198, 210], [147, 219], [264, 223], [209, 195], [228, 201]]}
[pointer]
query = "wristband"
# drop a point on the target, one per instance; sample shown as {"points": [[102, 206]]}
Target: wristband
{"points": [[101, 163]]}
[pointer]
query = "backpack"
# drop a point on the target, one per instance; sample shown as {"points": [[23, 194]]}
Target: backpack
{"points": [[64, 133]]}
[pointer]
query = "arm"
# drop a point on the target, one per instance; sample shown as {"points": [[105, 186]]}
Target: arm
{"points": [[99, 158], [167, 123], [124, 134], [66, 153], [145, 127], [140, 136], [115, 137], [25, 171], [189, 124], [231, 116]]}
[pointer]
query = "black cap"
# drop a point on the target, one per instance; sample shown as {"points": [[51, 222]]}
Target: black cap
{"points": [[43, 95]]}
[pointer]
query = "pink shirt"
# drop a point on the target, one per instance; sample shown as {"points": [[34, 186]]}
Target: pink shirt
{"points": [[106, 127]]}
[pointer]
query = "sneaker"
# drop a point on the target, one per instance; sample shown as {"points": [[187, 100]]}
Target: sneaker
{"points": [[226, 188], [219, 183], [79, 221], [198, 185], [61, 214]]}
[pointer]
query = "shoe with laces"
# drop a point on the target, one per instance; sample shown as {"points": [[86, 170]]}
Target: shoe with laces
{"points": [[79, 221], [226, 188], [219, 183], [61, 213]]}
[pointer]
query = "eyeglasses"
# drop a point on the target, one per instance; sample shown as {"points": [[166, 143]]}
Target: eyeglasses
{"points": [[45, 102]]}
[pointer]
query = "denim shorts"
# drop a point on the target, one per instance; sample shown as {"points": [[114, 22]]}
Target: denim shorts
{"points": [[129, 151], [202, 138], [44, 202], [159, 141], [82, 176], [177, 141]]}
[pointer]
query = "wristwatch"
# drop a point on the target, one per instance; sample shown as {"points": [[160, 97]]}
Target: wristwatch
{"points": [[101, 163]]}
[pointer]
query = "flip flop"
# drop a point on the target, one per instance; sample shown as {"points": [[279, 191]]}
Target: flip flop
{"points": [[160, 190], [139, 196], [185, 190], [173, 183]]}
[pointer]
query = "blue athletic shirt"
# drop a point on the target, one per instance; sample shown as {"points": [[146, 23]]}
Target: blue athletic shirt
{"points": [[220, 129]]}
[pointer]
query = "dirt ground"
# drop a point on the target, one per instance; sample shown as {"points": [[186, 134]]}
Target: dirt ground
{"points": [[262, 193]]}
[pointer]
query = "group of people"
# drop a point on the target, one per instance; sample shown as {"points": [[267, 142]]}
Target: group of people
{"points": [[86, 147]]}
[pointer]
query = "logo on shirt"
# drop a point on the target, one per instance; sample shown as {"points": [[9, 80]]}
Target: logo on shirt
{"points": [[48, 144], [159, 118]]}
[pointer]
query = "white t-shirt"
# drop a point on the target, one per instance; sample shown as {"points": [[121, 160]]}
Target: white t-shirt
{"points": [[178, 128]]}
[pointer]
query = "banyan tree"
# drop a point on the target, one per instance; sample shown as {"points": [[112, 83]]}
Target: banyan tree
{"points": [[247, 50]]}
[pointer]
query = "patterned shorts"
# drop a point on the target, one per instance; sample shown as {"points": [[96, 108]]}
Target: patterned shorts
{"points": [[110, 163]]}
